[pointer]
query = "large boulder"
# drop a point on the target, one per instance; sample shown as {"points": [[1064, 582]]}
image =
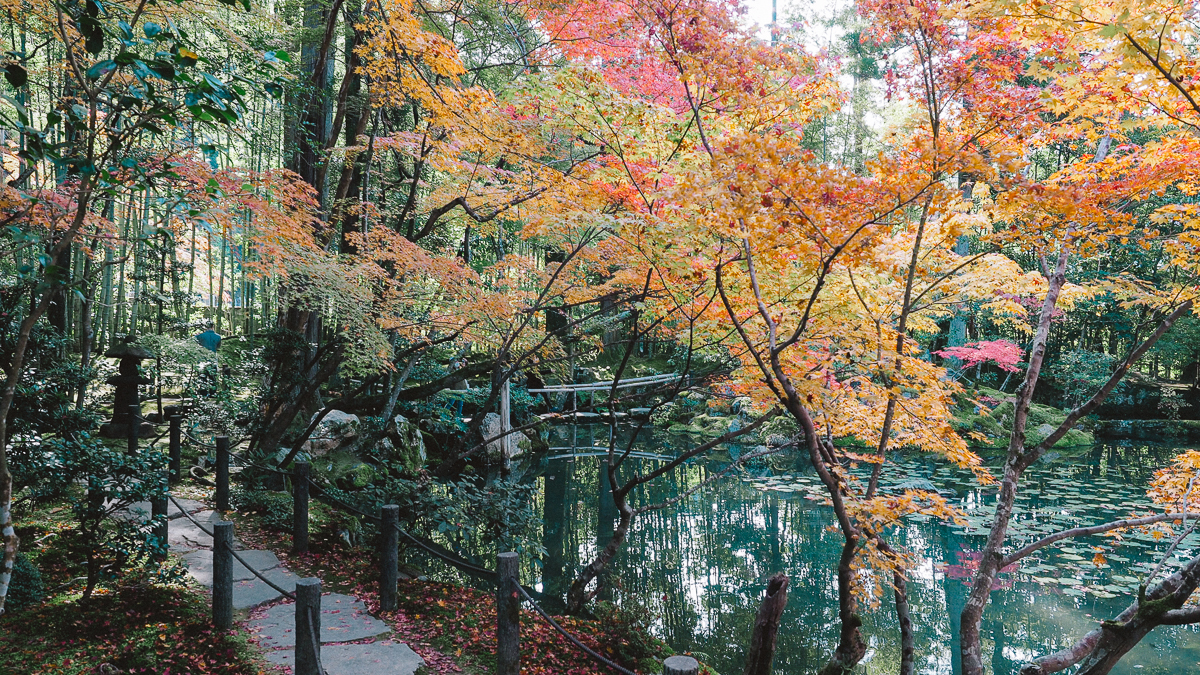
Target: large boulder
{"points": [[403, 444], [335, 431], [498, 450]]}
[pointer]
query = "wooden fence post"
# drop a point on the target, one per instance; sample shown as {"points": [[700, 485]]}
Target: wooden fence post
{"points": [[766, 625], [300, 507], [135, 427], [308, 626], [389, 542], [222, 473], [508, 615], [223, 575], [176, 442], [681, 665], [158, 510]]}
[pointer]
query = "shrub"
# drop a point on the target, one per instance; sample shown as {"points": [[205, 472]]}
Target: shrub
{"points": [[627, 635], [1081, 373], [25, 588]]}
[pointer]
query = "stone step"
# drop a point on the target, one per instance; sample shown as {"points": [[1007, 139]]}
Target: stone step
{"points": [[183, 536], [343, 619], [375, 658], [248, 590]]}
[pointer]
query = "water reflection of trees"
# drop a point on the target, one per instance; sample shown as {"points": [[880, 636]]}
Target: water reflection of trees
{"points": [[701, 566]]}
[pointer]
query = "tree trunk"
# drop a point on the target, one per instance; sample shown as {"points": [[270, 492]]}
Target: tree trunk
{"points": [[908, 645], [15, 367], [577, 596], [1100, 650], [851, 645], [766, 626], [989, 564]]}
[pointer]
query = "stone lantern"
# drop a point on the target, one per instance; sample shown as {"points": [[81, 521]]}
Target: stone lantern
{"points": [[126, 381]]}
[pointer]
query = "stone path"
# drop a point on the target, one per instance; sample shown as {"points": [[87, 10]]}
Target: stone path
{"points": [[353, 642]]}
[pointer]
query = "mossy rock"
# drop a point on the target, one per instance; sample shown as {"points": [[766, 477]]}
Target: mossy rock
{"points": [[711, 424], [996, 426]]}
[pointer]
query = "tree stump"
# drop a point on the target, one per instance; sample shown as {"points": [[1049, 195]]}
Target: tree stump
{"points": [[766, 626]]}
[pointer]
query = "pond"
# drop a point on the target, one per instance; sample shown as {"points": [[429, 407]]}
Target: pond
{"points": [[699, 567]]}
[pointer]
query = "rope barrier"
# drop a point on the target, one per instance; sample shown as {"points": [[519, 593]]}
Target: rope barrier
{"points": [[595, 656], [456, 561], [188, 515], [448, 557], [159, 438], [237, 557], [286, 594], [197, 441], [262, 467]]}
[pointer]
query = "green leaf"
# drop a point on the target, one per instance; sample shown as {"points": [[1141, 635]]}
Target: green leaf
{"points": [[93, 35], [163, 69], [1112, 30], [151, 29], [16, 75], [140, 71], [100, 69]]}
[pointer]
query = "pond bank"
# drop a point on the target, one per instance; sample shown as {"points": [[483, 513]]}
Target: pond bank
{"points": [[1149, 430]]}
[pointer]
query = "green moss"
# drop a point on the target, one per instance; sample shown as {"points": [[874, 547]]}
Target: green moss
{"points": [[995, 426]]}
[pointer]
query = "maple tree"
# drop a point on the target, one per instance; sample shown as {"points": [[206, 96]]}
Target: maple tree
{"points": [[1005, 354], [768, 223]]}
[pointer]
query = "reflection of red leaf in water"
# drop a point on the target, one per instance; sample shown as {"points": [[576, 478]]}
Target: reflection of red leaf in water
{"points": [[968, 565]]}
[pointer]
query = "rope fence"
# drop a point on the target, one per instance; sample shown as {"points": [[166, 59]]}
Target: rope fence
{"points": [[508, 634], [273, 585], [431, 547], [595, 656], [460, 563]]}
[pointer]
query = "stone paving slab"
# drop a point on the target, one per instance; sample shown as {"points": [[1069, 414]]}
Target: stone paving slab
{"points": [[343, 619], [183, 536], [200, 563], [376, 658], [254, 592]]}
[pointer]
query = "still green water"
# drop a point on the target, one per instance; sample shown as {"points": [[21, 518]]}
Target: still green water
{"points": [[698, 568]]}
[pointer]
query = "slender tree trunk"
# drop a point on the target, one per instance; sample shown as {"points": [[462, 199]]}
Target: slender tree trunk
{"points": [[15, 367], [221, 284], [397, 386], [86, 337], [1020, 458], [989, 567], [577, 595]]}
